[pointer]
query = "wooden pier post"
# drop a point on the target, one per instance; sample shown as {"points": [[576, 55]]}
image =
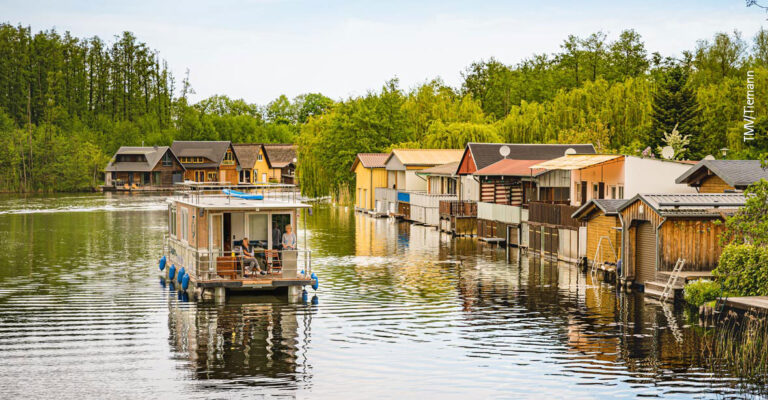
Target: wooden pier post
{"points": [[220, 294]]}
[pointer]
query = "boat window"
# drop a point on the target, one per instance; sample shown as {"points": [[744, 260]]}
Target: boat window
{"points": [[184, 231], [258, 227], [172, 221]]}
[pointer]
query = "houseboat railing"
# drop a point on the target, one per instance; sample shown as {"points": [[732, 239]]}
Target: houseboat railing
{"points": [[232, 265], [195, 191], [458, 208]]}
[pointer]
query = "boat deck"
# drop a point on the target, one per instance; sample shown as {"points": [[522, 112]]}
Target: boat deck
{"points": [[263, 282]]}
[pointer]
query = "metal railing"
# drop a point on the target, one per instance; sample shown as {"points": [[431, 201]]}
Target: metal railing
{"points": [[207, 265], [194, 192]]}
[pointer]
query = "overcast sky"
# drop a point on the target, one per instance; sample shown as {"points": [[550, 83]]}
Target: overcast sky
{"points": [[259, 49]]}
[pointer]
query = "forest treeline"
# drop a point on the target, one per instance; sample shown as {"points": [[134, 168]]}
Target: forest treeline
{"points": [[66, 104]]}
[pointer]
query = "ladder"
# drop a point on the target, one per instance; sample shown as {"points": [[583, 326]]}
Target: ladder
{"points": [[672, 280], [598, 259]]}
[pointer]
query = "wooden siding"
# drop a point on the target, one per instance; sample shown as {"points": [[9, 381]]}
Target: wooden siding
{"points": [[366, 181], [632, 216], [604, 226], [714, 184], [552, 214], [695, 240]]}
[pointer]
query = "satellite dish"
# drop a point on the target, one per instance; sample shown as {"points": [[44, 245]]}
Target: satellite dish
{"points": [[570, 151], [668, 152], [504, 151], [709, 157]]}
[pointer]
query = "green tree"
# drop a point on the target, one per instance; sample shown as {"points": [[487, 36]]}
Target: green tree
{"points": [[674, 104]]}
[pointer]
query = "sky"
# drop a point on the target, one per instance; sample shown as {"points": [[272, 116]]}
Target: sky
{"points": [[259, 49]]}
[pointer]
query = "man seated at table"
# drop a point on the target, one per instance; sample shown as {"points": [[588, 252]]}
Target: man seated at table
{"points": [[250, 262]]}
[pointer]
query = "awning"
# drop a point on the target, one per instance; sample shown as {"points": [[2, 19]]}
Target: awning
{"points": [[576, 161]]}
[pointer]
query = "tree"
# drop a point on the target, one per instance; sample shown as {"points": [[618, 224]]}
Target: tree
{"points": [[627, 55], [674, 105]]}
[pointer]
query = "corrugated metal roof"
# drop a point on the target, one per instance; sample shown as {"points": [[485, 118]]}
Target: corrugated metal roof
{"points": [[370, 160], [695, 204], [736, 173], [577, 161], [448, 169], [607, 206], [426, 157], [485, 154], [510, 167]]}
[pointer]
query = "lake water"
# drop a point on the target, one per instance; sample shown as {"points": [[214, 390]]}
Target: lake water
{"points": [[402, 312]]}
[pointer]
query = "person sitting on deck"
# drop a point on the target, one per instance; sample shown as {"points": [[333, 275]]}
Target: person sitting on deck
{"points": [[289, 239], [250, 262]]}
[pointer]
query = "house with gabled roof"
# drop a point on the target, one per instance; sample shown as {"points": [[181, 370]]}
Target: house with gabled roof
{"points": [[281, 159], [660, 230], [369, 174], [143, 167], [721, 176], [208, 161]]}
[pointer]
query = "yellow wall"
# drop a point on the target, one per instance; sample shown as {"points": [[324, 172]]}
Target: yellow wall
{"points": [[714, 184], [366, 181], [600, 226]]}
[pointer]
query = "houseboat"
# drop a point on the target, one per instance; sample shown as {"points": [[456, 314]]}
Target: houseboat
{"points": [[203, 253]]}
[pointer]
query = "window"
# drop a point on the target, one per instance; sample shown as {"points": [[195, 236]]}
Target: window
{"points": [[184, 231], [595, 191], [257, 227], [229, 158], [211, 177], [613, 192], [259, 157], [167, 161], [172, 221], [621, 192]]}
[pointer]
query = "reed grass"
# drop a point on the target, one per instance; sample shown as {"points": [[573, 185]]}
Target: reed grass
{"points": [[739, 345]]}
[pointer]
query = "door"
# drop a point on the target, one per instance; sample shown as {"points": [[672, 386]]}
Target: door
{"points": [[264, 178], [216, 235], [645, 255], [279, 222], [583, 192], [601, 190], [227, 235]]}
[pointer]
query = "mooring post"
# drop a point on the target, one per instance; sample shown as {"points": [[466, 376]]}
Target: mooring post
{"points": [[294, 294], [220, 294]]}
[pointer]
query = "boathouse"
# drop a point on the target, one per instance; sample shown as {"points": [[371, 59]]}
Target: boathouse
{"points": [[600, 230], [659, 229], [139, 168], [253, 163], [402, 166], [208, 161], [507, 184], [722, 176], [442, 185], [612, 176], [369, 175], [281, 159]]}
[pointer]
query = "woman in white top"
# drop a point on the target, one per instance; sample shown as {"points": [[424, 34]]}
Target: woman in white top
{"points": [[289, 239]]}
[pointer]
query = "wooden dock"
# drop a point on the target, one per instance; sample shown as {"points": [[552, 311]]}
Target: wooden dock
{"points": [[748, 303]]}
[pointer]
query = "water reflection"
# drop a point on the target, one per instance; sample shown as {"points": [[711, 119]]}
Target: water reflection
{"points": [[248, 341]]}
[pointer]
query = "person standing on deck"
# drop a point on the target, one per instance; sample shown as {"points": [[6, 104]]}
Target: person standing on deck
{"points": [[289, 239]]}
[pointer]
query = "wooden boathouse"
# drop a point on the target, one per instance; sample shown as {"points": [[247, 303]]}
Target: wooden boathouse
{"points": [[660, 229], [600, 231]]}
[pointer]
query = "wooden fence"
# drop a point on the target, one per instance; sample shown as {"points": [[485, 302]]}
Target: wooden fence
{"points": [[552, 214], [457, 208]]}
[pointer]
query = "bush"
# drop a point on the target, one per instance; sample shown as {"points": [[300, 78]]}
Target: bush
{"points": [[743, 269], [702, 291]]}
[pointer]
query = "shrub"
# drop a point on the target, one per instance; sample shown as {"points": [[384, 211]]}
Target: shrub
{"points": [[743, 269], [702, 291]]}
